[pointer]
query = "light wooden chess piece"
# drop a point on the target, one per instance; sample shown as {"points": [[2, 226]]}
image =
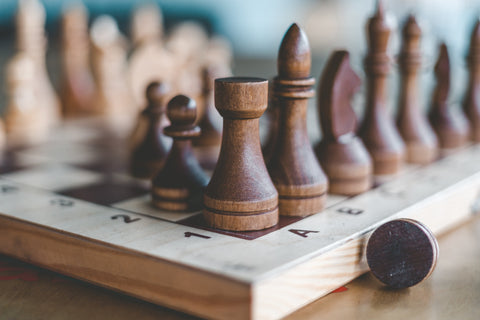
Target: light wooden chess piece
{"points": [[378, 129], [31, 39], [150, 60], [420, 140], [113, 98], [77, 82], [300, 181], [241, 195], [341, 152], [25, 120]]}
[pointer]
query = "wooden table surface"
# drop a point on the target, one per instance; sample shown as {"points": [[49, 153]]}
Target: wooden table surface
{"points": [[452, 292]]}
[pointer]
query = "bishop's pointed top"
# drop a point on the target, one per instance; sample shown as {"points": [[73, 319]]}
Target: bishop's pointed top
{"points": [[476, 32], [411, 25], [294, 58], [380, 11], [442, 67]]}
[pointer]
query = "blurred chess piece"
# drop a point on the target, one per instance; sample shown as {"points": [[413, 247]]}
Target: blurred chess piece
{"points": [[188, 43], [150, 61], [77, 83], [25, 120], [113, 99], [31, 40]]}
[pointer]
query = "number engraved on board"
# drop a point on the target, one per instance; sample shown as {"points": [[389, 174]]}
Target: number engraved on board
{"points": [[125, 217], [302, 233], [5, 188], [62, 202], [191, 234], [352, 211]]}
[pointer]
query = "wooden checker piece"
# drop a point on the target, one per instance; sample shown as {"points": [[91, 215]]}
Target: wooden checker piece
{"points": [[402, 253]]}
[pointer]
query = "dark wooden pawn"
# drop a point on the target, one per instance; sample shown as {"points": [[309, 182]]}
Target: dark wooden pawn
{"points": [[151, 147], [451, 126], [420, 140], [241, 195], [378, 129], [294, 169], [342, 154], [471, 103], [180, 183]]}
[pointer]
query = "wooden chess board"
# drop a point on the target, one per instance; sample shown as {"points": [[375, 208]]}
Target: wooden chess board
{"points": [[69, 205]]}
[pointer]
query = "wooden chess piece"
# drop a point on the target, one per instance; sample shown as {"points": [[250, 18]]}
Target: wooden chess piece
{"points": [[31, 40], [113, 98], [402, 253], [420, 140], [25, 121], [294, 169], [179, 185], [471, 103], [77, 84], [451, 126], [146, 24], [378, 130], [150, 153], [149, 61], [241, 195], [210, 122], [341, 152]]}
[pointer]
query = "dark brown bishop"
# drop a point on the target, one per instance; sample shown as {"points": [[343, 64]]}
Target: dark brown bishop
{"points": [[471, 103], [295, 171], [420, 140], [378, 129], [241, 195], [342, 154], [150, 151], [451, 126], [179, 185]]}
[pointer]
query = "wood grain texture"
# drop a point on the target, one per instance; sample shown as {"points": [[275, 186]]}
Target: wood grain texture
{"points": [[241, 195], [471, 102], [420, 140], [341, 152], [179, 185], [300, 181], [378, 130], [451, 126]]}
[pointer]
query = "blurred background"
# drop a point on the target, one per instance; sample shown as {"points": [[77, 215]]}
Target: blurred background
{"points": [[256, 27]]}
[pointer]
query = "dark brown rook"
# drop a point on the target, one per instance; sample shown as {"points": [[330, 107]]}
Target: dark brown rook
{"points": [[295, 171], [150, 151], [241, 195], [342, 154], [401, 253], [378, 129], [420, 140], [451, 126], [180, 183], [471, 103]]}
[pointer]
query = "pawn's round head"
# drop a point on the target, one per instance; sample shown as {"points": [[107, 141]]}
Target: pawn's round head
{"points": [[156, 93], [182, 111]]}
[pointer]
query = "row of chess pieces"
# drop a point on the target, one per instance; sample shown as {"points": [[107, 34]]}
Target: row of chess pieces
{"points": [[103, 73], [251, 187]]}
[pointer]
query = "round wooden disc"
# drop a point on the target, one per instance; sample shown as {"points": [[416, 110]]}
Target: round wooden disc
{"points": [[401, 253]]}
